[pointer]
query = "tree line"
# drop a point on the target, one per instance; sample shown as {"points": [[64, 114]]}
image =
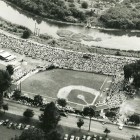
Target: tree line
{"points": [[133, 70], [53, 9], [123, 16]]}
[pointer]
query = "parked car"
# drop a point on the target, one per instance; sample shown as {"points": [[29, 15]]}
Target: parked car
{"points": [[22, 126], [10, 125], [66, 137], [95, 136], [77, 138], [14, 125], [88, 138], [27, 127], [120, 126], [1, 122], [6, 122], [100, 138], [19, 126], [72, 137], [84, 137], [32, 127]]}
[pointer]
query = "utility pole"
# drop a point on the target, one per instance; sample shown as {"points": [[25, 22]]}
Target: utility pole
{"points": [[35, 29]]}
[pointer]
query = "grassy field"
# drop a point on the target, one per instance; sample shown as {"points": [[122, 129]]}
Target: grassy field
{"points": [[2, 66], [49, 82]]}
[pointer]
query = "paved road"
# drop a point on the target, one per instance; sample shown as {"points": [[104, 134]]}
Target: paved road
{"points": [[96, 126]]}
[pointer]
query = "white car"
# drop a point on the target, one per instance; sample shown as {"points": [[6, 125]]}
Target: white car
{"points": [[27, 127], [83, 137], [66, 137], [120, 126], [1, 122], [77, 138], [72, 137], [100, 138], [88, 138], [19, 126]]}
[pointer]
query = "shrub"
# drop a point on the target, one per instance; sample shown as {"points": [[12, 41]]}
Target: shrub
{"points": [[28, 113], [26, 34], [84, 5]]}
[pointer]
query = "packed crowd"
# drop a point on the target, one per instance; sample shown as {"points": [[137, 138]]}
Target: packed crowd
{"points": [[97, 63], [20, 73], [116, 95]]}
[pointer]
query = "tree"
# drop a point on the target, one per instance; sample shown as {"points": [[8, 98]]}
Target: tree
{"points": [[5, 83], [10, 69], [110, 114], [88, 111], [80, 123], [135, 137], [84, 5], [62, 102], [26, 34], [28, 113], [52, 135], [5, 107], [135, 118], [32, 134], [17, 94], [106, 131], [38, 99], [50, 117]]}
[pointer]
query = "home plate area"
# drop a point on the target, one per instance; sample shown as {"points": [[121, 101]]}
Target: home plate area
{"points": [[80, 95]]}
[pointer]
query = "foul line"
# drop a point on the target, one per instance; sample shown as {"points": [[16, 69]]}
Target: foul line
{"points": [[103, 83]]}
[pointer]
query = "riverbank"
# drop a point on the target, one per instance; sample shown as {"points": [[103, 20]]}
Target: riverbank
{"points": [[65, 43], [40, 18], [12, 28]]}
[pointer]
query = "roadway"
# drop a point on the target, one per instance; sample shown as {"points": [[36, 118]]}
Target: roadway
{"points": [[71, 121]]}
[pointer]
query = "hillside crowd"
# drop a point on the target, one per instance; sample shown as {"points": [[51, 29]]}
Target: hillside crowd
{"points": [[98, 63]]}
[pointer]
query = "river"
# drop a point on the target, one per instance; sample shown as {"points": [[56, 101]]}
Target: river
{"points": [[126, 40]]}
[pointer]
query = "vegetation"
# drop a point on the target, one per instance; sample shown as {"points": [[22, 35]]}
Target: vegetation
{"points": [[135, 137], [12, 28], [110, 114], [17, 94], [62, 102], [135, 118], [123, 16], [88, 111], [80, 123], [32, 134], [5, 107], [5, 82], [55, 9], [38, 99], [50, 117], [84, 5], [10, 69], [107, 131], [52, 135], [26, 34], [132, 70], [28, 113]]}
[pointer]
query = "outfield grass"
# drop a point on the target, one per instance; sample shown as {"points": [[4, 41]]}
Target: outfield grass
{"points": [[49, 82]]}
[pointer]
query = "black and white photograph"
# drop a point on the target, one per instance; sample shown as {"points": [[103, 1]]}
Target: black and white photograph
{"points": [[69, 69]]}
